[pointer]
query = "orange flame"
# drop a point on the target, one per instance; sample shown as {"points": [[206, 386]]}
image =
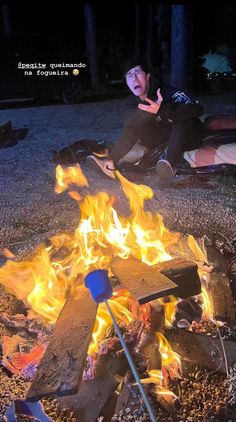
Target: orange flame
{"points": [[68, 176], [170, 359], [200, 255], [169, 308], [7, 253], [155, 377], [207, 305], [119, 305], [195, 248], [102, 234]]}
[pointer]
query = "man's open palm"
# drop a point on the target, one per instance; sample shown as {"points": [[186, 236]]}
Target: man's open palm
{"points": [[154, 105]]}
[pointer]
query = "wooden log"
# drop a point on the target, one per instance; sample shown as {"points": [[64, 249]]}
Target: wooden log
{"points": [[61, 368], [124, 400], [219, 288], [143, 282], [201, 349], [157, 316], [146, 283], [184, 273], [127, 400], [94, 394]]}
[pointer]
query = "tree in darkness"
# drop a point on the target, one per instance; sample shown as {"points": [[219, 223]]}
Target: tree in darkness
{"points": [[179, 46], [91, 45], [163, 39], [137, 31], [6, 20], [149, 40]]}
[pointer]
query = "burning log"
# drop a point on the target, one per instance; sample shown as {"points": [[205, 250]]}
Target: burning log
{"points": [[123, 400], [202, 350], [184, 273], [61, 368], [219, 286], [94, 394], [177, 276], [143, 282], [130, 404]]}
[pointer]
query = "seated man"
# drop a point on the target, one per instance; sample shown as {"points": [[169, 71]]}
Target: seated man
{"points": [[164, 114]]}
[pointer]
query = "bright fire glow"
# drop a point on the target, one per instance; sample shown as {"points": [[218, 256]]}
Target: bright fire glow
{"points": [[101, 235], [44, 280], [170, 360], [208, 307], [155, 376], [119, 305], [169, 308], [197, 251], [68, 176]]}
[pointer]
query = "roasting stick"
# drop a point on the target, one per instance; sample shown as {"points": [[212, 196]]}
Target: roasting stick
{"points": [[100, 288]]}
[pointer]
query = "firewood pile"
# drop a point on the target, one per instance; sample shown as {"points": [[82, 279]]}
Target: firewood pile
{"points": [[72, 386]]}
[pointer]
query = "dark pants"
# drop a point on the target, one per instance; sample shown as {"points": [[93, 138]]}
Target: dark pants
{"points": [[145, 127], [185, 136]]}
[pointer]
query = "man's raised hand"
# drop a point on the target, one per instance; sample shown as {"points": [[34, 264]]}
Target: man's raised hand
{"points": [[154, 105]]}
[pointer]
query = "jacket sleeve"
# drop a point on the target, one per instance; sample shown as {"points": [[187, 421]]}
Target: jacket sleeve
{"points": [[179, 106]]}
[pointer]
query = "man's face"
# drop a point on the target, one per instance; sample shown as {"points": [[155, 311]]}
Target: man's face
{"points": [[138, 81]]}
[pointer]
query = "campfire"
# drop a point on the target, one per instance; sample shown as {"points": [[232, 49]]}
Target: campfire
{"points": [[173, 308]]}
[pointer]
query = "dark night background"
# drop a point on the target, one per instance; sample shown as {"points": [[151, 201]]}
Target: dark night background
{"points": [[215, 23], [64, 24]]}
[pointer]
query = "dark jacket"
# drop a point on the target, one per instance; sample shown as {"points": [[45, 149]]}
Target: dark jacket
{"points": [[177, 105]]}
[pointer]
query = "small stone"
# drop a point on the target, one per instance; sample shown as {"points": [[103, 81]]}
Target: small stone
{"points": [[197, 385], [183, 384], [218, 408], [53, 415], [197, 375], [183, 323]]}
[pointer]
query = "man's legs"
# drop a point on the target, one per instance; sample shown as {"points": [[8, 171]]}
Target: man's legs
{"points": [[140, 128], [186, 135], [135, 154]]}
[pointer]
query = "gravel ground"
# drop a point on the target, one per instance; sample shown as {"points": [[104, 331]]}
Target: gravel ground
{"points": [[202, 397]]}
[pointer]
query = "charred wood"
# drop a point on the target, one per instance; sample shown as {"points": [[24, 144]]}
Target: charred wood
{"points": [[94, 394], [177, 276], [184, 273], [143, 282], [218, 286], [202, 350], [61, 368]]}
